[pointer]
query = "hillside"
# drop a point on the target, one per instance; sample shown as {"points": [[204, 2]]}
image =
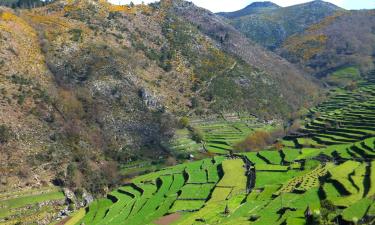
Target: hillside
{"points": [[341, 42], [284, 74], [88, 87], [255, 7], [322, 174], [271, 27], [170, 114]]}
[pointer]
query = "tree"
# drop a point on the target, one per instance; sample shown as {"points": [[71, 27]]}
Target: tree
{"points": [[255, 142]]}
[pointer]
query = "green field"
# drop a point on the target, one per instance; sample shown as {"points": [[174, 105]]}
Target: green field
{"points": [[327, 168], [219, 135], [30, 206]]}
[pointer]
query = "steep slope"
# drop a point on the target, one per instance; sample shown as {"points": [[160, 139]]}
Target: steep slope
{"points": [[26, 89], [291, 84], [87, 85], [255, 7], [67, 115], [340, 41], [271, 27]]}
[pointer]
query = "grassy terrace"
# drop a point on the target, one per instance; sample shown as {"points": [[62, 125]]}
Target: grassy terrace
{"points": [[281, 193], [29, 206], [219, 135], [347, 117], [330, 160]]}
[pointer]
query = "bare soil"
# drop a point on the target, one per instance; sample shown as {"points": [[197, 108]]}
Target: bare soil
{"points": [[166, 220]]}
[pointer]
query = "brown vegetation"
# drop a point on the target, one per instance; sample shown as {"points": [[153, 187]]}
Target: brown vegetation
{"points": [[260, 140]]}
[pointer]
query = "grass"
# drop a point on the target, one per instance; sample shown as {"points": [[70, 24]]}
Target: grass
{"points": [[270, 178], [357, 211], [344, 76], [270, 167], [76, 217], [309, 169], [233, 174], [186, 205], [341, 173], [28, 200], [371, 192], [193, 191]]}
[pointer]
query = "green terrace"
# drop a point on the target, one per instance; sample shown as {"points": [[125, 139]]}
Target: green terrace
{"points": [[323, 173], [30, 205], [267, 187], [347, 117], [218, 135]]}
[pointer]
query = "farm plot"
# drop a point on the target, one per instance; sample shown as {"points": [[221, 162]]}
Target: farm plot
{"points": [[29, 206], [328, 163], [182, 188], [346, 117]]}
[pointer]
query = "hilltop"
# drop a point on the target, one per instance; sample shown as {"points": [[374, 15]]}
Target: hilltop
{"points": [[255, 7], [271, 27], [318, 37], [340, 44]]}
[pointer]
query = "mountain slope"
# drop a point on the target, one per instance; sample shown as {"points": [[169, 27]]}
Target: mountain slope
{"points": [[343, 40], [87, 86], [288, 79], [271, 27], [255, 7]]}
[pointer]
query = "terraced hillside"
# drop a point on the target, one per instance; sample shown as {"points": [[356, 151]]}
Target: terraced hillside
{"points": [[347, 117], [219, 135], [91, 86], [330, 179], [252, 188], [29, 206]]}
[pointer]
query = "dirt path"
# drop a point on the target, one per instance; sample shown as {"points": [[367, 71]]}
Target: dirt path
{"points": [[166, 220]]}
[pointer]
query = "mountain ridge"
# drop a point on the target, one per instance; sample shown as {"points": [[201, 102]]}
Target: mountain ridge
{"points": [[254, 7], [270, 28]]}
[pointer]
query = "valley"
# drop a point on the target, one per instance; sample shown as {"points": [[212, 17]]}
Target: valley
{"points": [[167, 113], [328, 168]]}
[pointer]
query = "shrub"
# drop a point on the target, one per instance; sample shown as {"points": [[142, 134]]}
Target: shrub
{"points": [[184, 121], [197, 135], [17, 79], [296, 125], [255, 142], [5, 133], [76, 34], [260, 140]]}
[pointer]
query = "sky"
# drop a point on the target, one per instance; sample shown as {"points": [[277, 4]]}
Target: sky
{"points": [[233, 5]]}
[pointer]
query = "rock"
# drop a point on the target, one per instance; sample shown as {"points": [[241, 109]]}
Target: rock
{"points": [[70, 196], [87, 198], [149, 99]]}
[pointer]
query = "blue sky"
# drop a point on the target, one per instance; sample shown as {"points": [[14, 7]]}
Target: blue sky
{"points": [[232, 5]]}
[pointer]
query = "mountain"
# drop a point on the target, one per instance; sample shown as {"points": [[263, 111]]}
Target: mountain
{"points": [[342, 42], [87, 86], [255, 7], [270, 28], [23, 3], [228, 38]]}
